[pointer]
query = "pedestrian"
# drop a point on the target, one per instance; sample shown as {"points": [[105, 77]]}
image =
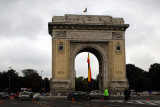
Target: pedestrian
{"points": [[0, 96], [106, 94], [125, 94], [128, 94]]}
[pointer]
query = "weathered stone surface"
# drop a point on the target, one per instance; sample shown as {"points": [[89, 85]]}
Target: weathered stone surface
{"points": [[88, 19], [87, 22], [103, 36]]}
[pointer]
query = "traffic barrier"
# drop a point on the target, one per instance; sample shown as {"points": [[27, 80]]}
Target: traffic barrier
{"points": [[33, 101], [72, 99], [11, 97], [102, 99]]}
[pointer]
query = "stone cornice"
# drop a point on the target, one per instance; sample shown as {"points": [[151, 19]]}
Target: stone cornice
{"points": [[52, 25]]}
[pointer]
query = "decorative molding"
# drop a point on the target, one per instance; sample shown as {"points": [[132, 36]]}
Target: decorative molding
{"points": [[52, 26]]}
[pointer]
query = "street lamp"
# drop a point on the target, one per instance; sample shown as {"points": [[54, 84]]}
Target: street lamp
{"points": [[44, 86], [41, 82], [9, 78]]}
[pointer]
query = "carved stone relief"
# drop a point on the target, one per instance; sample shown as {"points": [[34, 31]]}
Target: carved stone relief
{"points": [[60, 34], [116, 35]]}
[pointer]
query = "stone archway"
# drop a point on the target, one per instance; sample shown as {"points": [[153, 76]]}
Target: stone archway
{"points": [[104, 36]]}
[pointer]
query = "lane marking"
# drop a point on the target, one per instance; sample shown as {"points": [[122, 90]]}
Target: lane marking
{"points": [[87, 104], [150, 103], [116, 105], [157, 102], [129, 102], [139, 102], [95, 105], [14, 103]]}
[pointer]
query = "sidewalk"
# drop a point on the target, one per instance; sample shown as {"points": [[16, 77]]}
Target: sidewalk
{"points": [[110, 98], [52, 97]]}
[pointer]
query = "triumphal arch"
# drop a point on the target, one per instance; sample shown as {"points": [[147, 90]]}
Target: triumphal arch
{"points": [[103, 36]]}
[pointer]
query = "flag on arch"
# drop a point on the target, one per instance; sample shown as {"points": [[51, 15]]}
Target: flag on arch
{"points": [[89, 69], [85, 10]]}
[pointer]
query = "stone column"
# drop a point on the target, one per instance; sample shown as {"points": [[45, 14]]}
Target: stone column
{"points": [[117, 66], [60, 66]]}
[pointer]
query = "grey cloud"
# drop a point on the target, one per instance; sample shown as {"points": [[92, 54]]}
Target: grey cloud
{"points": [[25, 42], [21, 20]]}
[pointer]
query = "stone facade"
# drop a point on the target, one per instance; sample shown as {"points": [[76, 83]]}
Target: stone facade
{"points": [[104, 36]]}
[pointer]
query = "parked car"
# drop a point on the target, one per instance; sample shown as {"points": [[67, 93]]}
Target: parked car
{"points": [[97, 94], [4, 96], [155, 93], [16, 95], [36, 96], [24, 96], [12, 94], [79, 95], [47, 94]]}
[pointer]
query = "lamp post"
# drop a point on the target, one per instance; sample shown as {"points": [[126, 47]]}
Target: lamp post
{"points": [[44, 86], [41, 82], [9, 79]]}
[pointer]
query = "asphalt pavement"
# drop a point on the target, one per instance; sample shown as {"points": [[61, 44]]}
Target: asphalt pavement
{"points": [[47, 101]]}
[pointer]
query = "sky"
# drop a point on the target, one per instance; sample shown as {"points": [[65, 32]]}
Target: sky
{"points": [[26, 44]]}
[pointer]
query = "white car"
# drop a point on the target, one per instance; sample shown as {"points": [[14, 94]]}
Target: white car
{"points": [[36, 96], [97, 94], [24, 96]]}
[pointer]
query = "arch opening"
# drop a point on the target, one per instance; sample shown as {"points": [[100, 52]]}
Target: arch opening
{"points": [[81, 65], [96, 70]]}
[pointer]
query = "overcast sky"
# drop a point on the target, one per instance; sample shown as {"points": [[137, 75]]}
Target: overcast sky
{"points": [[25, 42]]}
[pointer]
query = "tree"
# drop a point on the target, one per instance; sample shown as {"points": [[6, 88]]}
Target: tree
{"points": [[81, 84], [138, 78], [32, 80], [14, 80], [46, 84], [154, 72], [4, 80], [27, 72]]}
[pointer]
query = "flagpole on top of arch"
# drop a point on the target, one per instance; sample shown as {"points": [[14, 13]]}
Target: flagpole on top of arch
{"points": [[85, 11]]}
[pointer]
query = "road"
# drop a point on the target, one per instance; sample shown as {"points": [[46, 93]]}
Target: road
{"points": [[63, 102]]}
